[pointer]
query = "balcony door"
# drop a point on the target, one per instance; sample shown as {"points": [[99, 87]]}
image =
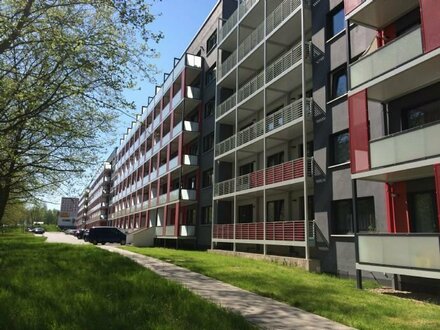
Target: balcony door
{"points": [[423, 210]]}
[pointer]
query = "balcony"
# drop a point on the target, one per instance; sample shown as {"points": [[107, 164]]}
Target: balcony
{"points": [[251, 87], [187, 231], [288, 114], [387, 58], [284, 172], [226, 105], [404, 254], [282, 232], [280, 14], [190, 160], [227, 27], [377, 13], [225, 146], [251, 133], [418, 144]]}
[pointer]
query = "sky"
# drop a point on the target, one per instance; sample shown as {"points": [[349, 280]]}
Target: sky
{"points": [[179, 21]]}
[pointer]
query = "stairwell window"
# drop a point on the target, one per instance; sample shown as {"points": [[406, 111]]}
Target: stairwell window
{"points": [[340, 147], [211, 42], [210, 75], [335, 22], [338, 82], [206, 215]]}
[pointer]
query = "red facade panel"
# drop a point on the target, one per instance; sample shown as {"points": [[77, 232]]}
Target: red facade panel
{"points": [[437, 190], [349, 5], [359, 132], [430, 15]]}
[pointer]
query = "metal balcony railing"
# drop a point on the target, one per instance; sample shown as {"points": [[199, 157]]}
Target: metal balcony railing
{"points": [[280, 13], [227, 65], [288, 114], [225, 146], [250, 133], [251, 86], [228, 26], [251, 41], [224, 187], [245, 6], [226, 105], [284, 62], [250, 180]]}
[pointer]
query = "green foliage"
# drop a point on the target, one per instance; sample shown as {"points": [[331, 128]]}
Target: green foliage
{"points": [[59, 286], [328, 296], [63, 67]]}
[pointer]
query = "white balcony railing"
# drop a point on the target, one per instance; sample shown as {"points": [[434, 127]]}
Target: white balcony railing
{"points": [[280, 14], [288, 114], [190, 126], [225, 146], [188, 194], [250, 133], [224, 187], [228, 26], [251, 41], [245, 6], [187, 231], [251, 87], [415, 144], [226, 105], [386, 58], [190, 160], [284, 62]]}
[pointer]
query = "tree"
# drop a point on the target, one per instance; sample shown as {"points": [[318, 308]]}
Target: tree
{"points": [[63, 67]]}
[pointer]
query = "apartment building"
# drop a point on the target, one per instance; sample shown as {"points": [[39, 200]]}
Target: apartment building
{"points": [[83, 204], [398, 80], [263, 193], [68, 212], [98, 195], [163, 171]]}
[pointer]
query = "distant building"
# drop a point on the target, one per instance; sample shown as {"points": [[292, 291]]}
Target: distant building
{"points": [[68, 212]]}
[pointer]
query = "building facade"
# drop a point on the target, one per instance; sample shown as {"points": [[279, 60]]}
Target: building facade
{"points": [[83, 204], [68, 212], [296, 128], [163, 171]]}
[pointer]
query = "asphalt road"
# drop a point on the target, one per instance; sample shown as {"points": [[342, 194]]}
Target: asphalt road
{"points": [[59, 237]]}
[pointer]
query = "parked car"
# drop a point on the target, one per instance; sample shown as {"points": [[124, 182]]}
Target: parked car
{"points": [[70, 231], [86, 235], [106, 235], [80, 233], [38, 230]]}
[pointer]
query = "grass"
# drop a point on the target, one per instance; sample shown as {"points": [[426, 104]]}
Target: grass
{"points": [[58, 286], [325, 295]]}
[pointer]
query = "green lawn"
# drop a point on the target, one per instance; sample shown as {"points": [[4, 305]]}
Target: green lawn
{"points": [[331, 297], [57, 286]]}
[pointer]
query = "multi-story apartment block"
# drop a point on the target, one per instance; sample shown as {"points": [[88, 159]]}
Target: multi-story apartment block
{"points": [[83, 204], [397, 80], [164, 162], [68, 212], [296, 128], [98, 197], [263, 193]]}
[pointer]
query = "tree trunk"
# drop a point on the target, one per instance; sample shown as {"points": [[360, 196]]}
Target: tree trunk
{"points": [[4, 197]]}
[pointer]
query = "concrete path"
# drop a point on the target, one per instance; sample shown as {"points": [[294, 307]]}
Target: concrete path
{"points": [[264, 312], [60, 237]]}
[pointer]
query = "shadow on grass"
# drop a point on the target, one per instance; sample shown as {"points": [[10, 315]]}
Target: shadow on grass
{"points": [[55, 286]]}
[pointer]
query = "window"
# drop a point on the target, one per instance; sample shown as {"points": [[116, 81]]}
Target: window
{"points": [[338, 82], [209, 108], [207, 178], [245, 213], [246, 169], [206, 215], [343, 216], [275, 210], [191, 181], [208, 142], [210, 75], [340, 148], [335, 22], [191, 215], [275, 159], [421, 115], [211, 42]]}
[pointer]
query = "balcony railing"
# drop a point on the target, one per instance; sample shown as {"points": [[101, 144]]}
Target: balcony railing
{"points": [[386, 58], [225, 146], [250, 133], [414, 144], [228, 26], [280, 13], [287, 114], [251, 87], [169, 231], [286, 171], [406, 254], [251, 41], [292, 231], [245, 6], [227, 65], [226, 105], [224, 187], [284, 62], [187, 231]]}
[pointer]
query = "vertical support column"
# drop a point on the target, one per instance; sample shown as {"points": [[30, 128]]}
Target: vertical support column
{"points": [[391, 226], [147, 219], [180, 149], [359, 132], [183, 81], [176, 219], [168, 186], [168, 156], [164, 220], [356, 230], [429, 11], [437, 190], [264, 139], [400, 207]]}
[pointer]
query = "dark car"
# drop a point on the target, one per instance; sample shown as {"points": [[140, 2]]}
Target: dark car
{"points": [[106, 235], [80, 233], [38, 230]]}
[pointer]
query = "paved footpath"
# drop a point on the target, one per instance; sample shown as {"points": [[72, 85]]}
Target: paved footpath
{"points": [[264, 312]]}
